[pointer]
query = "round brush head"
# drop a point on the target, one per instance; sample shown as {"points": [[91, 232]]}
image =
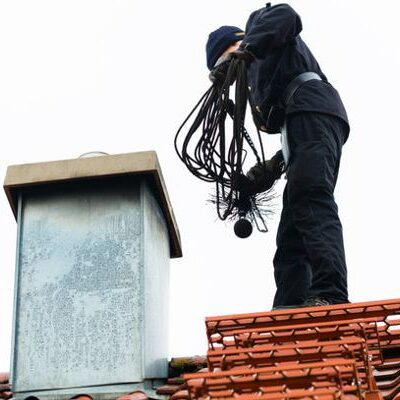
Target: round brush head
{"points": [[243, 228]]}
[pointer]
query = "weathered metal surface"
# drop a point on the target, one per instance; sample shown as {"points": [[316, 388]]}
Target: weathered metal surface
{"points": [[145, 164], [156, 286], [90, 265]]}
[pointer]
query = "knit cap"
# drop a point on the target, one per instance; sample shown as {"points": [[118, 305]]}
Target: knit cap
{"points": [[219, 40]]}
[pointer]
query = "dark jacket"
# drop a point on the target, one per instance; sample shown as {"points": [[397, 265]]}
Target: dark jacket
{"points": [[272, 37]]}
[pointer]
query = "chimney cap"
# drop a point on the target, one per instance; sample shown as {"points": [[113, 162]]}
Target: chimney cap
{"points": [[19, 177]]}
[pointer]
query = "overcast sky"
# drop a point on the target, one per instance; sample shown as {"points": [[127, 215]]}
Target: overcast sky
{"points": [[120, 76]]}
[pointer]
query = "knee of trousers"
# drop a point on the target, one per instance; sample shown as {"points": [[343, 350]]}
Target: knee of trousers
{"points": [[312, 170]]}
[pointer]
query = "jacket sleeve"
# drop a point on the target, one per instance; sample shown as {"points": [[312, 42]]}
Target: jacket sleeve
{"points": [[269, 28]]}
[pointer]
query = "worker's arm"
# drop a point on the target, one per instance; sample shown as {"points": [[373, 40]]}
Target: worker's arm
{"points": [[270, 28]]}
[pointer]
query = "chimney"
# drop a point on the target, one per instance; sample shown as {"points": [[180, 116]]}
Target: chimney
{"points": [[95, 236]]}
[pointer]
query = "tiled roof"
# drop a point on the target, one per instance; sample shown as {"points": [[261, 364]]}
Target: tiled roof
{"points": [[348, 351], [5, 391]]}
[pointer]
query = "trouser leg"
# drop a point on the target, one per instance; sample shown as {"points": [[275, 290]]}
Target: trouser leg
{"points": [[315, 143], [292, 269]]}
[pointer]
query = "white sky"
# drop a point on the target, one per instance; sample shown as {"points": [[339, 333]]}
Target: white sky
{"points": [[120, 76]]}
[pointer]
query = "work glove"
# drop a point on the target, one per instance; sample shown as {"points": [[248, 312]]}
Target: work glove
{"points": [[263, 175], [218, 73], [242, 54]]}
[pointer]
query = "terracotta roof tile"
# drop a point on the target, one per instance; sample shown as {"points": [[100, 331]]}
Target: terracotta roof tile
{"points": [[5, 390], [6, 394], [349, 351], [134, 396], [330, 352], [4, 387], [168, 389], [180, 395], [175, 381]]}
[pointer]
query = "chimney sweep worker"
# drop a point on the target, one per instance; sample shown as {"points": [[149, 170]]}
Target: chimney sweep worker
{"points": [[289, 94]]}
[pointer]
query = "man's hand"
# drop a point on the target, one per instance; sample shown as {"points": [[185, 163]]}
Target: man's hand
{"points": [[218, 74], [242, 54], [263, 175]]}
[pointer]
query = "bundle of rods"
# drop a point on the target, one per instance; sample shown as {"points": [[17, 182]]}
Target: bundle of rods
{"points": [[214, 155]]}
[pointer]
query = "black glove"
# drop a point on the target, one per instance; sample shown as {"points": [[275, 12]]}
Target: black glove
{"points": [[263, 175], [243, 54], [218, 73]]}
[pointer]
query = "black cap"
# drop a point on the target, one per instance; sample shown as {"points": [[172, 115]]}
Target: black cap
{"points": [[219, 40]]}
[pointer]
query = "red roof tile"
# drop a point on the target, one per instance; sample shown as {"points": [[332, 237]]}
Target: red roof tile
{"points": [[82, 397], [348, 351], [134, 396], [315, 353], [5, 391], [168, 389]]}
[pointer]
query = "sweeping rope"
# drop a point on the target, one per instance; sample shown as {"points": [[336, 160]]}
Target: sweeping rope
{"points": [[207, 149]]}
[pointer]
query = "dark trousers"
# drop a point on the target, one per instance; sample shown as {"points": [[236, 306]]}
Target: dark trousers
{"points": [[310, 259]]}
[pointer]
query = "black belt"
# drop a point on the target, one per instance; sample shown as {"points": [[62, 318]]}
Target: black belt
{"points": [[296, 83]]}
